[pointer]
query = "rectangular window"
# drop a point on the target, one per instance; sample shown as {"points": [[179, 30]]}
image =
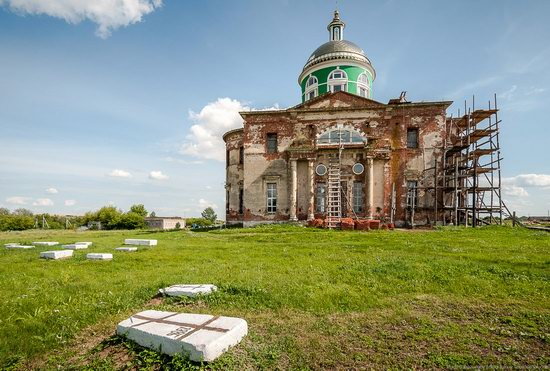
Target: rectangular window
{"points": [[344, 197], [241, 155], [358, 199], [336, 88], [272, 143], [311, 95], [321, 197], [412, 138], [412, 194], [227, 158], [241, 201], [363, 92], [271, 197]]}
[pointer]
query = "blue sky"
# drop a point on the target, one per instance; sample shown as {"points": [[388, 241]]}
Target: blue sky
{"points": [[123, 106]]}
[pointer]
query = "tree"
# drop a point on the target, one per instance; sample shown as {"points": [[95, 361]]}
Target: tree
{"points": [[209, 214], [16, 222], [22, 212], [139, 209], [131, 220], [109, 217], [178, 225], [4, 211], [153, 214]]}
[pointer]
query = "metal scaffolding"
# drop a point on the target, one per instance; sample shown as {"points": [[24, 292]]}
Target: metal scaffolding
{"points": [[467, 179]]}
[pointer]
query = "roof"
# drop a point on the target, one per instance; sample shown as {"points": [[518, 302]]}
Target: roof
{"points": [[358, 103], [232, 131], [337, 49]]}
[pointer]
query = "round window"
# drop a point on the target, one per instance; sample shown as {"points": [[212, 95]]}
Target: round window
{"points": [[358, 169], [321, 170]]}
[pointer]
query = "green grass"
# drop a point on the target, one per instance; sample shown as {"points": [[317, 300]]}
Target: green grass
{"points": [[313, 298]]}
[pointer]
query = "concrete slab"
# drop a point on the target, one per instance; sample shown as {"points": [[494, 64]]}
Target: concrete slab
{"points": [[201, 337], [11, 244], [84, 243], [126, 249], [19, 247], [188, 290], [99, 256], [137, 241], [75, 247], [58, 254], [45, 243]]}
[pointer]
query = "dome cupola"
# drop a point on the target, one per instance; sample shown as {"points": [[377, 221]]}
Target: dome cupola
{"points": [[337, 65]]}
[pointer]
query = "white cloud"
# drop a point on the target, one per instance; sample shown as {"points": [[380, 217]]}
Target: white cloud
{"points": [[203, 204], [117, 173], [43, 202], [17, 200], [107, 14], [514, 191], [70, 202], [52, 190], [528, 180], [157, 175], [214, 120]]}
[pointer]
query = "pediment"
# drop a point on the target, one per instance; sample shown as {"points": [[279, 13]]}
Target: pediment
{"points": [[339, 100]]}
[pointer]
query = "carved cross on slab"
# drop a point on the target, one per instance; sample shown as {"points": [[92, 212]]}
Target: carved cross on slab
{"points": [[201, 337]]}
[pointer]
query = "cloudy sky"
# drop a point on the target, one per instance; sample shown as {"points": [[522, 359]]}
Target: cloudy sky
{"points": [[125, 101]]}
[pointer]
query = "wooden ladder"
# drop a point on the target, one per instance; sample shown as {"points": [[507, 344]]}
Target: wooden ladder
{"points": [[334, 209]]}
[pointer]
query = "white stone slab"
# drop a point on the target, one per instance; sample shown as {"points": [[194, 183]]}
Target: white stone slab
{"points": [[19, 247], [75, 247], [127, 249], [99, 256], [11, 244], [201, 337], [84, 243], [45, 243], [58, 254], [134, 241], [188, 290]]}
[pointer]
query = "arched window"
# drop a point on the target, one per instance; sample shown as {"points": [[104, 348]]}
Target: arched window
{"points": [[337, 81], [363, 88], [311, 88], [341, 136]]}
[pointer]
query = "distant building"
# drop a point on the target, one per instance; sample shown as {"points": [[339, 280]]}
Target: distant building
{"points": [[164, 222]]}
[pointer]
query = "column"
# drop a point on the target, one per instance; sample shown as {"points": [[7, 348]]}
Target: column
{"points": [[311, 207], [293, 189], [370, 186]]}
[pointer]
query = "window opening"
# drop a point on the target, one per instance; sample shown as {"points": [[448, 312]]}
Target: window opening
{"points": [[412, 194], [341, 136], [358, 168], [358, 197], [241, 201], [272, 143], [337, 81], [412, 138], [321, 197], [321, 170], [271, 197]]}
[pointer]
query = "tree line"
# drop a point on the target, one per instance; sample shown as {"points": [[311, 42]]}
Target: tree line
{"points": [[107, 217]]}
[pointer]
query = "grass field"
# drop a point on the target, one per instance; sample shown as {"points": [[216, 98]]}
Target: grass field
{"points": [[313, 299]]}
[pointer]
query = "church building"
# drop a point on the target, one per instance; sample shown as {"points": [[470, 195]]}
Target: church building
{"points": [[339, 153]]}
